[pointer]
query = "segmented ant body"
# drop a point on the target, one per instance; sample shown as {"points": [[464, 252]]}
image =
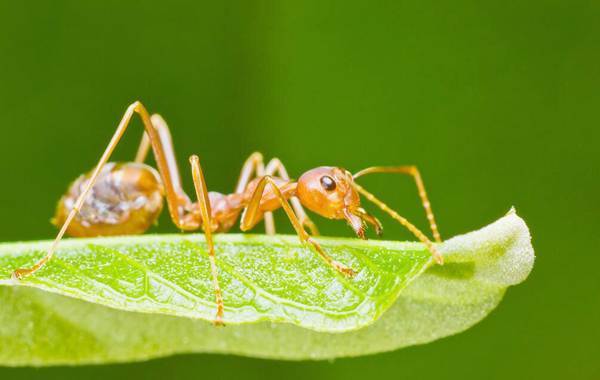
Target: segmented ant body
{"points": [[127, 198]]}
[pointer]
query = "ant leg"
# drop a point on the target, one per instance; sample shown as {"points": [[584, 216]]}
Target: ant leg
{"points": [[204, 203], [176, 198], [275, 167], [143, 148], [166, 142], [420, 235], [255, 164], [252, 211], [414, 172]]}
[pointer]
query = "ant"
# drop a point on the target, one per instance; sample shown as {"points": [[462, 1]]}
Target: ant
{"points": [[127, 198]]}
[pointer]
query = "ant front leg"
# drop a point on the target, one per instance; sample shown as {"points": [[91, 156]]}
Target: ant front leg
{"points": [[275, 167], [252, 214], [205, 211], [255, 164]]}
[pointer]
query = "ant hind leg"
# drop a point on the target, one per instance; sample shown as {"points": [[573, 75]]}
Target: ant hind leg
{"points": [[204, 203], [159, 139]]}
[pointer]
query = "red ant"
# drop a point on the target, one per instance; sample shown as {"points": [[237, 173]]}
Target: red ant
{"points": [[127, 198]]}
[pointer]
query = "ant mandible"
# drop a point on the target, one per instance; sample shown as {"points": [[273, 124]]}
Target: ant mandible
{"points": [[127, 198]]}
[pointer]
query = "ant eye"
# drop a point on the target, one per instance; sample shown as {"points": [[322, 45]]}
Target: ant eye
{"points": [[328, 183]]}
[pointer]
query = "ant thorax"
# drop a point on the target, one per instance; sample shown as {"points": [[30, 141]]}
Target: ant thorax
{"points": [[126, 199]]}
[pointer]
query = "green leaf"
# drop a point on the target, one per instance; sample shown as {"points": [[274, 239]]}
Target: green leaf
{"points": [[133, 298]]}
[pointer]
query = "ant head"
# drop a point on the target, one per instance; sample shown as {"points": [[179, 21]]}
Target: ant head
{"points": [[329, 192]]}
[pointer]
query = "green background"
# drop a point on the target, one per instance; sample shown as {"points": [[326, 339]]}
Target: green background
{"points": [[496, 101]]}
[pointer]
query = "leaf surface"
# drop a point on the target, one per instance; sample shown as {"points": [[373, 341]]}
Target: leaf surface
{"points": [[133, 298]]}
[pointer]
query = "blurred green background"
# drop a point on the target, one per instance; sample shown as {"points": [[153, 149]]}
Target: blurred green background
{"points": [[496, 101]]}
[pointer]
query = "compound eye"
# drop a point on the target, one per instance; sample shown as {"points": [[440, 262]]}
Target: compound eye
{"points": [[328, 183]]}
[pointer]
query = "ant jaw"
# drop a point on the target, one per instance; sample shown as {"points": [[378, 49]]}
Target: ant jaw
{"points": [[356, 222], [370, 219], [379, 230], [361, 233], [365, 219]]}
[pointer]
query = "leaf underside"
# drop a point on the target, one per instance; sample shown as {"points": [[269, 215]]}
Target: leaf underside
{"points": [[134, 298]]}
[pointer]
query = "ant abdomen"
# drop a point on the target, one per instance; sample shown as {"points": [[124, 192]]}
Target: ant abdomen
{"points": [[127, 198]]}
